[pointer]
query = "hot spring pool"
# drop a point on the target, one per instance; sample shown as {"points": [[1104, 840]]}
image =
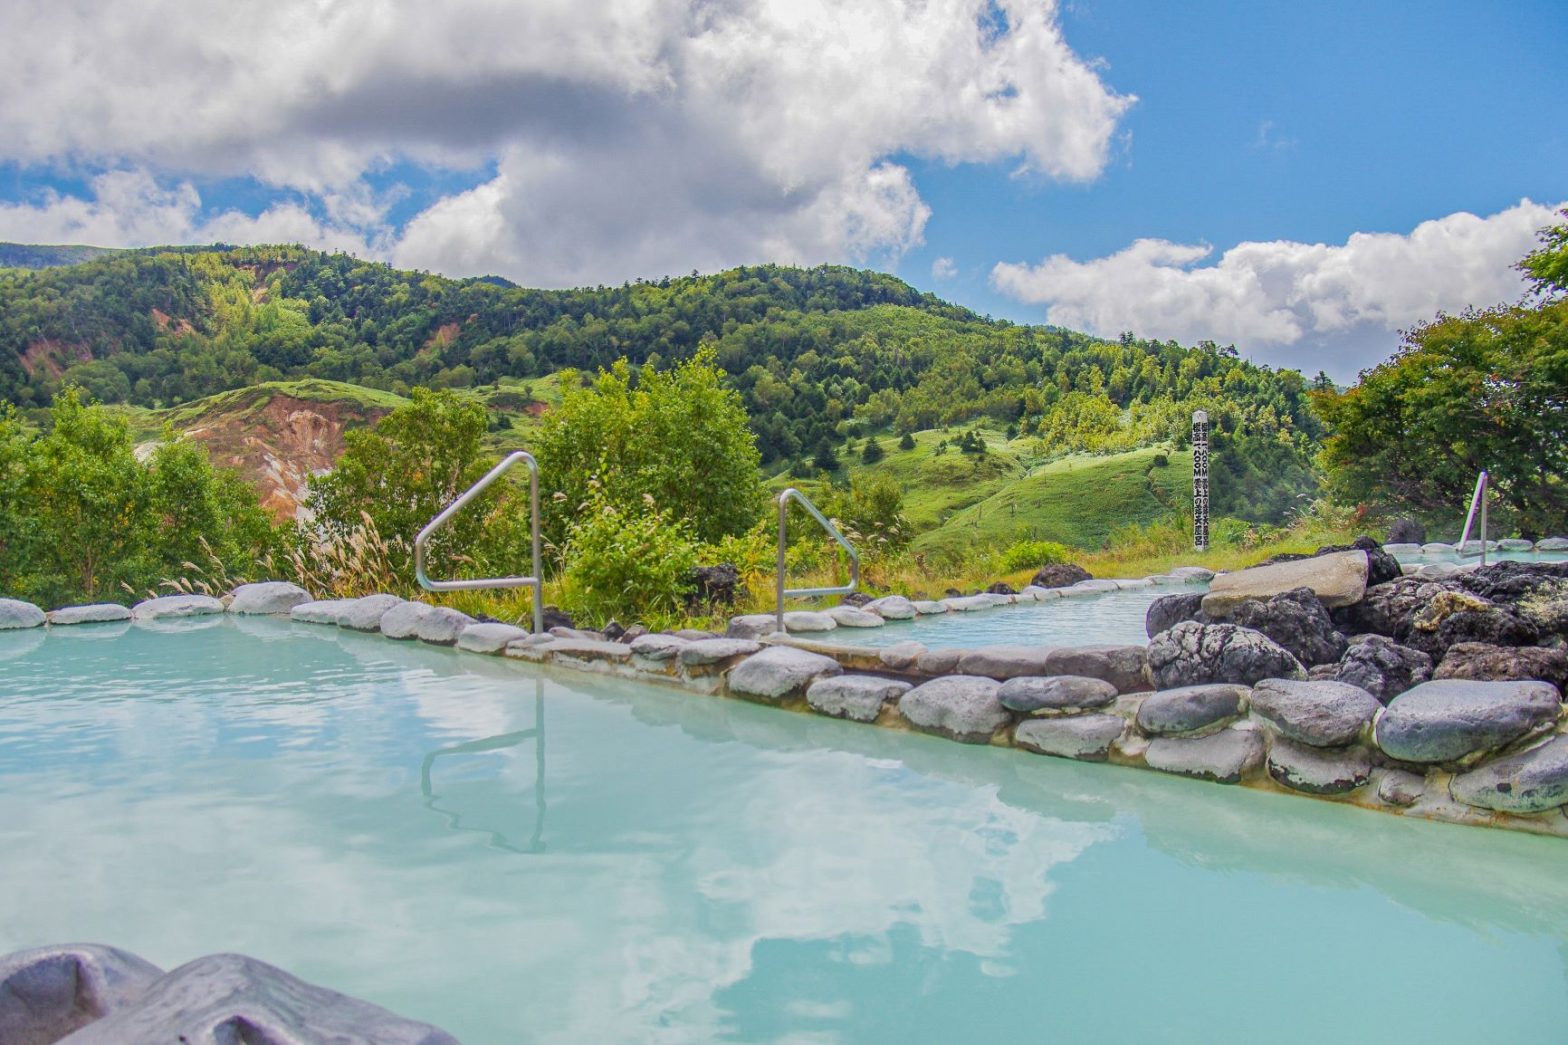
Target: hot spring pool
{"points": [[1114, 617], [519, 856]]}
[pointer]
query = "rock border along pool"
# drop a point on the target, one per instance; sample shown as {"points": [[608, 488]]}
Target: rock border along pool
{"points": [[1248, 683]]}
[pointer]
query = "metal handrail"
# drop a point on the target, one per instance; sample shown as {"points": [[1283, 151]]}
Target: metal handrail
{"points": [[535, 582], [1476, 499], [793, 494]]}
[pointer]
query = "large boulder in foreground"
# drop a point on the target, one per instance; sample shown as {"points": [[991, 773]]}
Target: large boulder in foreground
{"points": [[779, 673], [1191, 654], [48, 992], [224, 999], [1530, 782], [1337, 579], [965, 708], [1451, 719]]}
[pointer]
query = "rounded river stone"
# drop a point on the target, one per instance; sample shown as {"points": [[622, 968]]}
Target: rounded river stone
{"points": [[857, 697], [1190, 708], [1447, 719], [365, 614], [14, 614], [808, 620], [1087, 738], [1530, 782], [1318, 771], [176, 606], [963, 707], [1322, 714], [268, 597], [1032, 694], [1224, 757], [779, 673], [96, 613]]}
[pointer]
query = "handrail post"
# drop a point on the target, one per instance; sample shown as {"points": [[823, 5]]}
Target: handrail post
{"points": [[1477, 500], [536, 582], [792, 494]]}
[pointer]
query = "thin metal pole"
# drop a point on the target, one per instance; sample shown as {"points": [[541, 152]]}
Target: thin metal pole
{"points": [[783, 536], [1483, 518]]}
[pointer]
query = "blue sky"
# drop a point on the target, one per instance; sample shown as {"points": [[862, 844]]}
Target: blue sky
{"points": [[1302, 180]]}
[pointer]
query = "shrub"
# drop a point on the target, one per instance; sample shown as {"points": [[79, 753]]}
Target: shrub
{"points": [[1161, 461], [906, 441], [1030, 555], [627, 563]]}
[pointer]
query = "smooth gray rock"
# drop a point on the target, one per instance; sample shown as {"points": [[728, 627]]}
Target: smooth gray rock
{"points": [[857, 697], [1039, 594], [1189, 709], [752, 626], [1382, 667], [1056, 693], [1319, 714], [489, 637], [779, 673], [701, 652], [1193, 574], [1087, 738], [96, 613], [176, 606], [966, 603], [1097, 587], [365, 614], [901, 656], [808, 620], [659, 647], [16, 614], [1531, 781], [442, 625], [892, 607], [1399, 787], [560, 631], [229, 999], [1514, 544], [1319, 771], [1337, 579], [268, 597], [938, 661], [1191, 654], [1449, 719], [1125, 667], [696, 634], [588, 649], [48, 992], [1224, 757], [1552, 544], [1398, 548], [853, 617], [1003, 662], [1133, 583], [928, 607], [1437, 548], [322, 611], [962, 707], [402, 620], [1487, 663]]}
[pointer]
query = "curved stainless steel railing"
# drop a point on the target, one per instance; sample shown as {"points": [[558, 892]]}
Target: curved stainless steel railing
{"points": [[795, 495], [535, 582]]}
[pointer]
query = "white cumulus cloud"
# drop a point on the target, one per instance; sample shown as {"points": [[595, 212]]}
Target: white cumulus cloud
{"points": [[627, 137], [944, 268], [1336, 307]]}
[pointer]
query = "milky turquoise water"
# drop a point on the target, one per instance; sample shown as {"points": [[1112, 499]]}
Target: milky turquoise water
{"points": [[529, 857], [1115, 617]]}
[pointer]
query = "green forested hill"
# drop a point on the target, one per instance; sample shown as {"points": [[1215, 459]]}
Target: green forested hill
{"points": [[820, 355], [37, 256]]}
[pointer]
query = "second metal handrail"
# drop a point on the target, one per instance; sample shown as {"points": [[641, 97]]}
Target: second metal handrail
{"points": [[793, 494], [535, 582], [1478, 499]]}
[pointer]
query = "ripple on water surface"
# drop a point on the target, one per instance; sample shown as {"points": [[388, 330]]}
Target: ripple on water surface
{"points": [[525, 856]]}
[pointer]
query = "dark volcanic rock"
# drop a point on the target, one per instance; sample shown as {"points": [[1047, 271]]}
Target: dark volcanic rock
{"points": [[1451, 618], [1537, 592], [1167, 611], [856, 599], [713, 585], [1406, 531], [1389, 609], [1382, 667], [1483, 662], [1060, 575], [1447, 720], [1191, 653], [555, 617], [1297, 621], [1002, 588]]}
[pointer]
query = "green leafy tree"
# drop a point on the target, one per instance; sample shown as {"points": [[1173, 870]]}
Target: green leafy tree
{"points": [[1547, 266], [872, 507], [404, 471], [678, 436], [628, 562], [1486, 390]]}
